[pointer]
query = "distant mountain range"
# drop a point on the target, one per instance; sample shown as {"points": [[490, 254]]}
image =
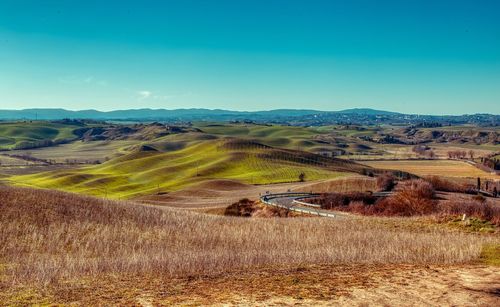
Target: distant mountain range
{"points": [[286, 116]]}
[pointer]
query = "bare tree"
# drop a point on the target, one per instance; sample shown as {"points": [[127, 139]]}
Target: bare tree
{"points": [[471, 154], [302, 177]]}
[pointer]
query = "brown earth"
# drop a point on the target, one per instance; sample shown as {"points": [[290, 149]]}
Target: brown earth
{"points": [[356, 285], [220, 193], [213, 194]]}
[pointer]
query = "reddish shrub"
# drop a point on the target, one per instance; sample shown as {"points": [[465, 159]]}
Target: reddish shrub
{"points": [[357, 207], [417, 188], [339, 200], [480, 210], [364, 197], [385, 182], [441, 184], [415, 197], [479, 198]]}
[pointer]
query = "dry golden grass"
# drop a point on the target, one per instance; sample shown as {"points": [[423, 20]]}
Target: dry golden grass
{"points": [[434, 168], [48, 236], [340, 185]]}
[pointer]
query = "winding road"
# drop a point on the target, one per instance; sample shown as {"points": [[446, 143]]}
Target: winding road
{"points": [[291, 201]]}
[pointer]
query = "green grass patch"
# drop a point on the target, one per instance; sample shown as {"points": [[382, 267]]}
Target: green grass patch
{"points": [[473, 225], [17, 134], [490, 254], [146, 172]]}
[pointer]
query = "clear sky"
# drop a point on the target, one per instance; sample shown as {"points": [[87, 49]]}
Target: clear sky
{"points": [[409, 56]]}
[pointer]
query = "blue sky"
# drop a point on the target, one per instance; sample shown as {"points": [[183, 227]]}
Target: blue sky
{"points": [[433, 57]]}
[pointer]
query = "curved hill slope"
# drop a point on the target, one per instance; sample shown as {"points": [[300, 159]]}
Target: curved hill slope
{"points": [[150, 170], [19, 135]]}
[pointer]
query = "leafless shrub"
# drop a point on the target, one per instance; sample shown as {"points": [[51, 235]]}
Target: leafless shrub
{"points": [[414, 197], [480, 210], [442, 184], [457, 154], [336, 200], [479, 198], [386, 182]]}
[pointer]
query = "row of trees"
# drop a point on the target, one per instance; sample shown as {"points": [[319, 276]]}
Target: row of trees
{"points": [[461, 154], [424, 151], [491, 163]]}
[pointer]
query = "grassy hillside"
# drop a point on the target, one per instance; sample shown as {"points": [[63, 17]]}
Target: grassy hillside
{"points": [[300, 138], [149, 169], [82, 151], [19, 134], [50, 236]]}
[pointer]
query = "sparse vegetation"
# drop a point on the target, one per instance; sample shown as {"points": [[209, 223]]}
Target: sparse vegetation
{"points": [[386, 182], [476, 209], [50, 236], [446, 185], [249, 208], [413, 197], [445, 168]]}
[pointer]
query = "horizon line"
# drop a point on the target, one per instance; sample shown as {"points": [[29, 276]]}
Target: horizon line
{"points": [[243, 111]]}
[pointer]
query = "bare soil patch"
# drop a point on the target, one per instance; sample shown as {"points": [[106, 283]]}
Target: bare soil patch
{"points": [[320, 285], [215, 194]]}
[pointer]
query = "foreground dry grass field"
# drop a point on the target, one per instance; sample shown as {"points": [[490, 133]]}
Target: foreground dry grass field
{"points": [[47, 235], [304, 285], [434, 168], [61, 247]]}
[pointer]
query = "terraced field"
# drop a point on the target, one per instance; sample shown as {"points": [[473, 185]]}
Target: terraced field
{"points": [[148, 170]]}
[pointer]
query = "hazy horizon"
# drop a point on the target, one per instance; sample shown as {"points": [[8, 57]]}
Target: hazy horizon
{"points": [[418, 57], [239, 110]]}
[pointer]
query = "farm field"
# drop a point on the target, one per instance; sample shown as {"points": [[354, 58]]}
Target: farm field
{"points": [[447, 168]]}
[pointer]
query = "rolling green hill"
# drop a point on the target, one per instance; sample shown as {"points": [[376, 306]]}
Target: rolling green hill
{"points": [[152, 168], [289, 137], [16, 135]]}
